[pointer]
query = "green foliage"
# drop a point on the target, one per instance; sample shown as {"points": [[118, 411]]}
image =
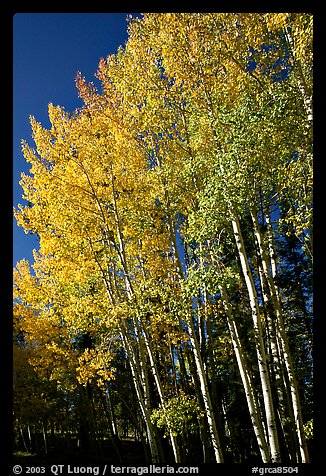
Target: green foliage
{"points": [[178, 416], [210, 278], [309, 429]]}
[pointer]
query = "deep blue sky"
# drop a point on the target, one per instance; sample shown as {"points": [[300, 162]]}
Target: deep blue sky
{"points": [[48, 50]]}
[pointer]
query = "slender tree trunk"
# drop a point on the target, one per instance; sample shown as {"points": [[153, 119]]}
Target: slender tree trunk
{"points": [[205, 394], [272, 436], [141, 385], [188, 361], [23, 438], [276, 367], [159, 387], [246, 379], [108, 410], [283, 341], [29, 437], [112, 415], [44, 439], [208, 358], [306, 97], [199, 362], [261, 355]]}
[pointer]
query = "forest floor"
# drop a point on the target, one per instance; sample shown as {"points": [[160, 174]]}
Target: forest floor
{"points": [[130, 452]]}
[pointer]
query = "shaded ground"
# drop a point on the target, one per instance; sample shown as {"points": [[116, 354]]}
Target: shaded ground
{"points": [[128, 452]]}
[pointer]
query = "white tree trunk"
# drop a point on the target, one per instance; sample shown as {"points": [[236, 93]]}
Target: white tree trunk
{"points": [[261, 355], [159, 387], [141, 386], [306, 97], [281, 334], [205, 393], [246, 379]]}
